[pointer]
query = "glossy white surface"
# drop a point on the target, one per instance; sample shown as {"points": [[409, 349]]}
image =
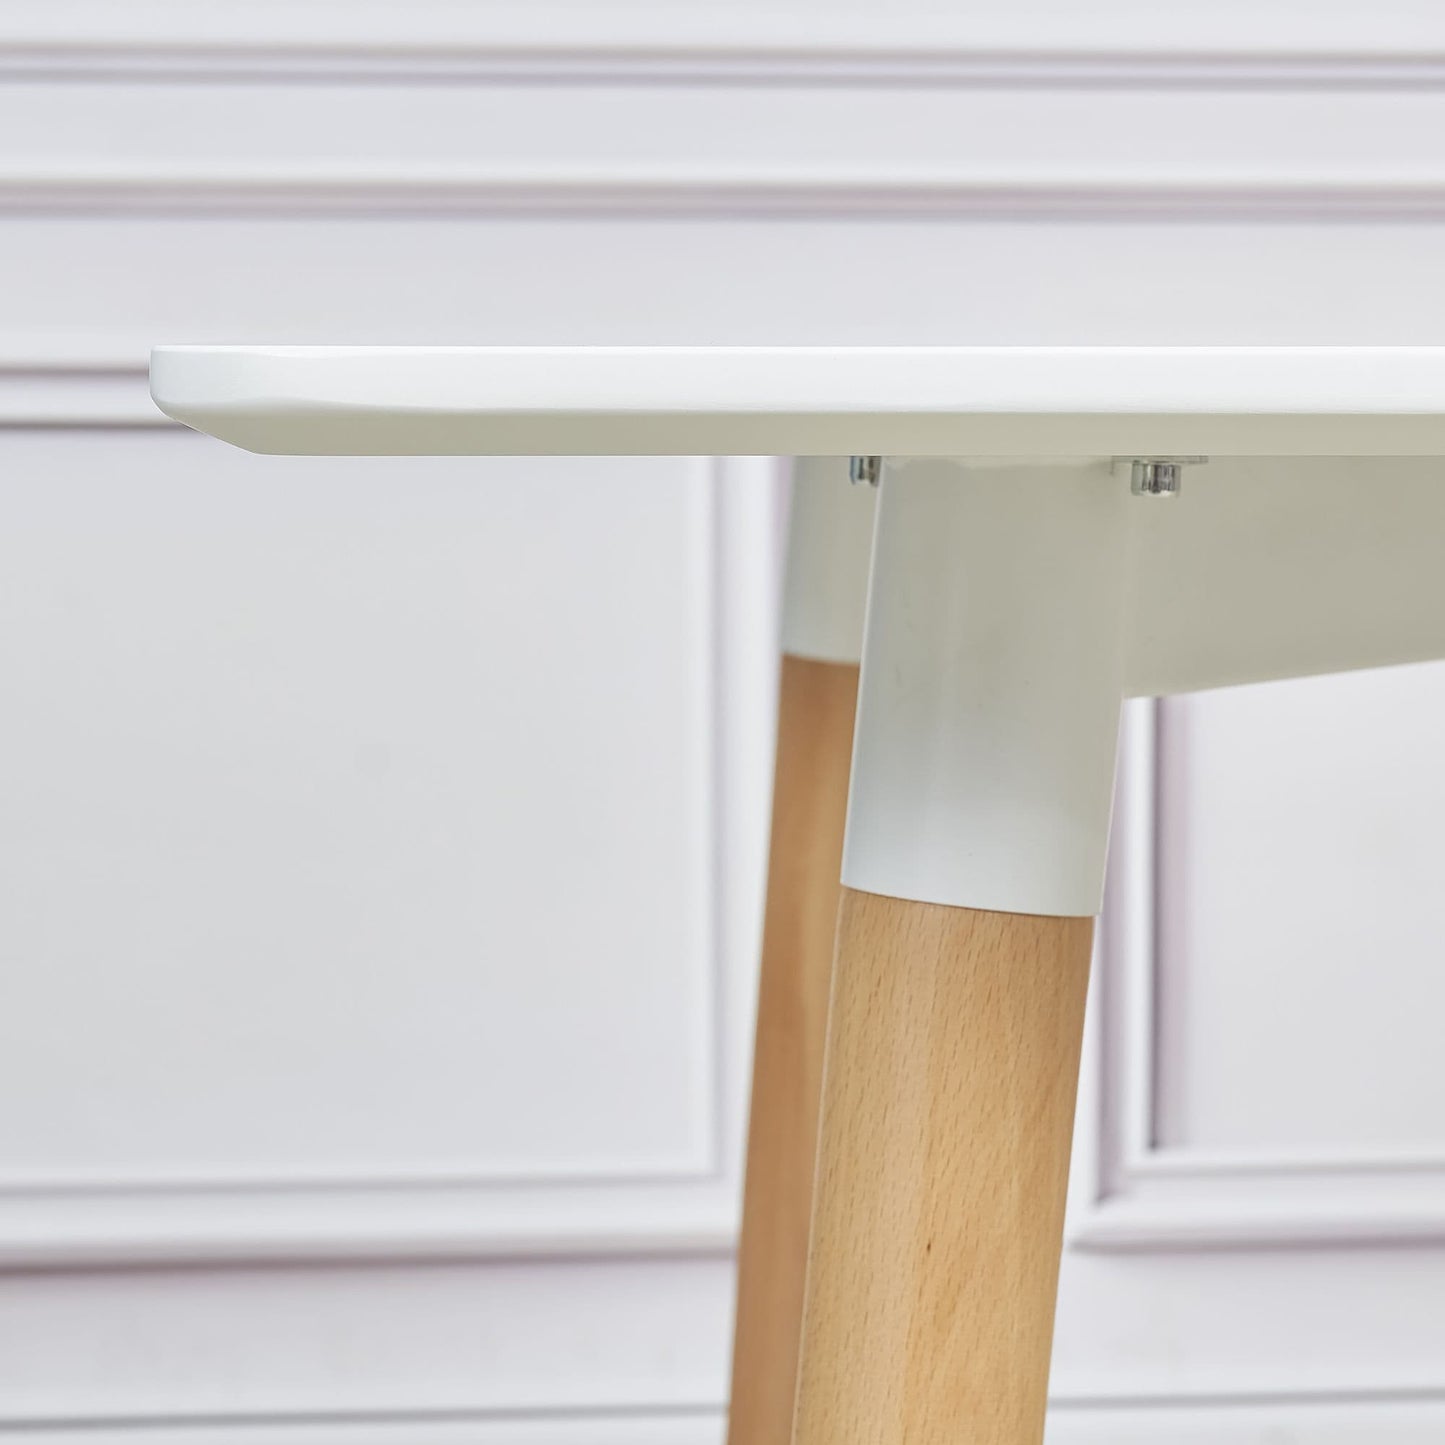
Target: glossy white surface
{"points": [[825, 579], [802, 400], [1014, 605], [988, 711], [1270, 567]]}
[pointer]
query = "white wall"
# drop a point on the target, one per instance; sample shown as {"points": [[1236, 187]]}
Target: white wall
{"points": [[381, 842]]}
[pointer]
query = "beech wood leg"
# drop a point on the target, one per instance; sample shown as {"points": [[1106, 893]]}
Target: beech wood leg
{"points": [[815, 738], [948, 1108]]}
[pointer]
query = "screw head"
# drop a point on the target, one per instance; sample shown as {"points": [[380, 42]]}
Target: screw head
{"points": [[1156, 478], [865, 469]]}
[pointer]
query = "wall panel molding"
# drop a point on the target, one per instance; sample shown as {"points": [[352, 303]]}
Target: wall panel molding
{"points": [[1156, 1198], [638, 1425], [989, 112], [490, 1211], [1400, 1417], [1114, 44], [642, 1427], [1400, 1420], [624, 191]]}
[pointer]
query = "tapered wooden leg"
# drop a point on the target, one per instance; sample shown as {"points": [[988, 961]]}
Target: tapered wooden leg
{"points": [[815, 739], [948, 1110]]}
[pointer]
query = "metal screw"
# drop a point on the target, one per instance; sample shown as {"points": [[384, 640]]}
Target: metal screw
{"points": [[1158, 476], [865, 469]]}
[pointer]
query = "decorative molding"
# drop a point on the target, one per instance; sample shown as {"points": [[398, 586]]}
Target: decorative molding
{"points": [[486, 1212], [212, 1232], [1112, 45], [879, 67], [1346, 1416], [1154, 1197], [1402, 1418], [585, 1425], [625, 191]]}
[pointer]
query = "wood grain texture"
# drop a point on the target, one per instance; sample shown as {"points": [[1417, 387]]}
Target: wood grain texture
{"points": [[810, 801], [948, 1110]]}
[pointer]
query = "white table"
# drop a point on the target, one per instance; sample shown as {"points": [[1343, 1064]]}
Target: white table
{"points": [[1019, 591]]}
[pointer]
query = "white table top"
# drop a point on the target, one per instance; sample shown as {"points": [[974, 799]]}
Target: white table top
{"points": [[741, 400]]}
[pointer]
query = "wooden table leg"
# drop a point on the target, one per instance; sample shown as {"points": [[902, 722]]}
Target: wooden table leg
{"points": [[815, 740], [948, 1111], [973, 865]]}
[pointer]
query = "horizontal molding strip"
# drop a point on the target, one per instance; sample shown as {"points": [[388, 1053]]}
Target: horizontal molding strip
{"points": [[241, 1182], [882, 69], [589, 1425], [590, 1422], [1184, 1163], [1387, 45], [656, 1232], [1129, 1224], [723, 194]]}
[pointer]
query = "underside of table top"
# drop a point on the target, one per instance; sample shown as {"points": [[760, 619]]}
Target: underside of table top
{"points": [[741, 400]]}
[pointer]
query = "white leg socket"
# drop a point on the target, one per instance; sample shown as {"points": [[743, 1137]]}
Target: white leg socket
{"points": [[988, 712], [830, 535]]}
